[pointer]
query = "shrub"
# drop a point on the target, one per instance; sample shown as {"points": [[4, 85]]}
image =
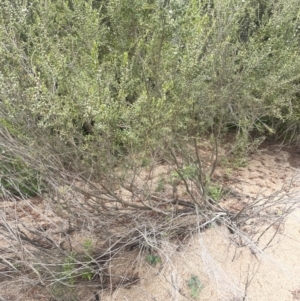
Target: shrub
{"points": [[96, 94]]}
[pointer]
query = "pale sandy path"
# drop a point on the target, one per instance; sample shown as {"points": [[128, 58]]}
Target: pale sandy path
{"points": [[223, 268]]}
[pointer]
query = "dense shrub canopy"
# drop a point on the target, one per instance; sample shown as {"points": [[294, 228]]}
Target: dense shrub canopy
{"points": [[118, 112], [112, 77]]}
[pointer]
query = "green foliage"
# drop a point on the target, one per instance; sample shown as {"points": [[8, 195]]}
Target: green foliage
{"points": [[153, 259], [215, 192], [17, 178], [98, 90], [88, 246], [195, 286], [186, 172], [145, 162], [98, 80], [160, 185], [88, 272], [76, 266], [69, 268], [174, 177]]}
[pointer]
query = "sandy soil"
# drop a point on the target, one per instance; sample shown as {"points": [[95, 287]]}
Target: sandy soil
{"points": [[226, 271]]}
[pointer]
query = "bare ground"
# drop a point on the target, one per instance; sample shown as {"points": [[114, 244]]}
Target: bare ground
{"points": [[226, 270], [225, 267]]}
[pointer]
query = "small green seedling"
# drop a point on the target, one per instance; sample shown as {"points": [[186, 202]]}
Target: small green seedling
{"points": [[195, 286], [145, 162], [87, 274], [153, 259], [69, 268], [215, 192], [88, 245], [174, 177], [160, 185]]}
